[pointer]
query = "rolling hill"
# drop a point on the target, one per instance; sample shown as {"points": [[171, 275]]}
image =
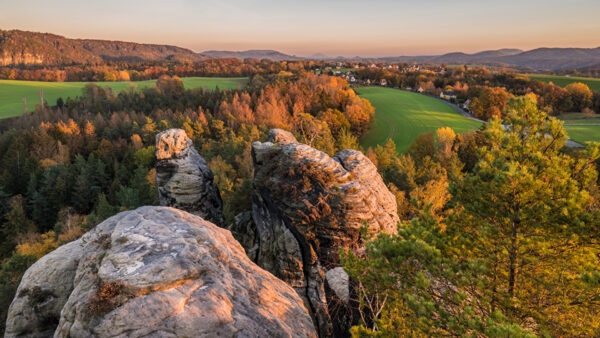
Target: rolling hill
{"points": [[31, 48], [254, 54], [563, 81], [477, 57], [537, 59], [402, 116], [555, 58]]}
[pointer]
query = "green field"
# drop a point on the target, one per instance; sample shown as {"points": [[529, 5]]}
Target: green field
{"points": [[12, 92], [563, 81], [589, 131], [582, 134], [579, 118], [403, 115], [343, 70]]}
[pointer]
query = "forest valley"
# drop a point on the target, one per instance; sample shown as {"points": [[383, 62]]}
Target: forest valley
{"points": [[500, 226]]}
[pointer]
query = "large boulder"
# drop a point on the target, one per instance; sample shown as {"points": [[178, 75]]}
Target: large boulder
{"points": [[44, 290], [155, 272], [183, 178], [306, 206]]}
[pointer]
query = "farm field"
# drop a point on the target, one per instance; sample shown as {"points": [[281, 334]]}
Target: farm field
{"points": [[563, 81], [582, 134], [402, 116], [12, 92], [579, 118], [580, 128], [343, 70]]}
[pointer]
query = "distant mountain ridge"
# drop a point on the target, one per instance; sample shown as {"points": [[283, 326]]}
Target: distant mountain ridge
{"points": [[469, 58], [31, 48], [535, 59], [253, 53], [556, 58]]}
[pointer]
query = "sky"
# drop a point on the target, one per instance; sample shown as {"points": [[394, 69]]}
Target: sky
{"points": [[305, 27]]}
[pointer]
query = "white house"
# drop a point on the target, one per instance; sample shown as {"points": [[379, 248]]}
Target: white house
{"points": [[448, 95]]}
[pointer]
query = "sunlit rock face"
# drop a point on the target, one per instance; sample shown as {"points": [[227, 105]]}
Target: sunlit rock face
{"points": [[183, 178], [20, 58], [306, 206], [155, 272]]}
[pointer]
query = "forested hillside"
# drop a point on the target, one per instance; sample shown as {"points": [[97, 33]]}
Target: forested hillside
{"points": [[31, 48]]}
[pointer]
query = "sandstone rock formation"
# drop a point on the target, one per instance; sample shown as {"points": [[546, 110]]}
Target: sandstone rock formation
{"points": [[306, 205], [184, 179], [338, 281], [157, 272], [243, 229], [44, 289], [20, 58]]}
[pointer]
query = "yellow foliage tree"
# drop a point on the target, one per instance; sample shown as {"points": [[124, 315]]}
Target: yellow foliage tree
{"points": [[38, 245]]}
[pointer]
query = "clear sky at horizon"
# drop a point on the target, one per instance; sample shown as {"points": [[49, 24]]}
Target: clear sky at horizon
{"points": [[349, 27]]}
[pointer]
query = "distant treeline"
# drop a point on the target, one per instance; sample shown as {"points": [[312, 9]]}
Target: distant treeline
{"points": [[138, 71]]}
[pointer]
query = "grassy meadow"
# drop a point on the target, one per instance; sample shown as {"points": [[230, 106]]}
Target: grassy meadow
{"points": [[343, 70], [582, 134], [563, 81], [577, 132], [12, 92], [582, 128], [402, 116]]}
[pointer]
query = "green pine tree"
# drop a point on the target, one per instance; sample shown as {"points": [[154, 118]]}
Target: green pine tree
{"points": [[16, 223], [408, 286], [524, 214], [102, 211]]}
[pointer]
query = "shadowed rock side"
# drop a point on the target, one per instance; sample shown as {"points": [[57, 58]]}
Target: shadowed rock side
{"points": [[158, 272], [306, 205], [184, 179]]}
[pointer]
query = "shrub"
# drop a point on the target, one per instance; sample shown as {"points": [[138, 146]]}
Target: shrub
{"points": [[107, 298]]}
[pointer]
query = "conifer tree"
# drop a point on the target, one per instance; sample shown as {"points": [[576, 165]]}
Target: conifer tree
{"points": [[524, 214], [16, 223]]}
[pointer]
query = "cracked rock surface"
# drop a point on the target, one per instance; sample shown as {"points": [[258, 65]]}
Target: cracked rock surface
{"points": [[175, 275], [307, 205]]}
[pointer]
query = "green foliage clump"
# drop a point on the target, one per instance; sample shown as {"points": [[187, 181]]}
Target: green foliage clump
{"points": [[513, 249], [408, 285], [527, 213]]}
